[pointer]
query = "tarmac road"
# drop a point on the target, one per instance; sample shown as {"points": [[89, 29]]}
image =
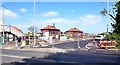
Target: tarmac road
{"points": [[79, 56], [73, 44], [17, 55]]}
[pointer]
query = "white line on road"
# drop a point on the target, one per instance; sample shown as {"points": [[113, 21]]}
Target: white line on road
{"points": [[14, 56]]}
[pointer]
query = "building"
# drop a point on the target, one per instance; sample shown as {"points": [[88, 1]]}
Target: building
{"points": [[10, 32], [74, 33], [51, 32]]}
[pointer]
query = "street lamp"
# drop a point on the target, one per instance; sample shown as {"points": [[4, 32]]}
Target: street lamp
{"points": [[21, 21], [34, 20], [3, 21], [107, 16]]}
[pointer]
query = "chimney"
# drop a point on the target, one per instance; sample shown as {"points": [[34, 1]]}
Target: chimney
{"points": [[75, 28], [54, 24]]}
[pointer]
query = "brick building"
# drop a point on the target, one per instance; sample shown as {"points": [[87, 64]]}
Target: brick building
{"points": [[51, 31], [73, 32]]}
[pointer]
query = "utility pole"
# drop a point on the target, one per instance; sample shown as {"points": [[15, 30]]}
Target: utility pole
{"points": [[107, 16], [34, 21], [78, 41], [3, 21], [21, 22]]}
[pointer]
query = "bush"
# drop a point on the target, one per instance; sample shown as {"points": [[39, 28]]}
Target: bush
{"points": [[118, 44], [114, 36]]}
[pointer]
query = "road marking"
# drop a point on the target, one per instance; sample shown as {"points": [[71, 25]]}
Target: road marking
{"points": [[14, 56]]}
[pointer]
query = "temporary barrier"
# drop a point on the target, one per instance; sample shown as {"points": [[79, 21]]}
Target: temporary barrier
{"points": [[108, 44]]}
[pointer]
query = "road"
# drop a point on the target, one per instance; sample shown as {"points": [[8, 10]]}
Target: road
{"points": [[79, 56], [17, 55], [73, 44]]}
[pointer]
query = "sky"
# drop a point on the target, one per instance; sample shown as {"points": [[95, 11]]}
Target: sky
{"points": [[83, 15]]}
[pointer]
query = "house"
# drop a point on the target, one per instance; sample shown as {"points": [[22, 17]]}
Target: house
{"points": [[74, 33], [51, 32]]}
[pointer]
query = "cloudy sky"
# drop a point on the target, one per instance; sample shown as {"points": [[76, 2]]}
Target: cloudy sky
{"points": [[82, 15]]}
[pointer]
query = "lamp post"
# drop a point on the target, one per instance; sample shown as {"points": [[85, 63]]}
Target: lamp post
{"points": [[3, 22], [107, 16], [21, 21], [34, 20]]}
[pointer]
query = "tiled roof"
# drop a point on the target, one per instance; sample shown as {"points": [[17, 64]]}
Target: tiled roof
{"points": [[74, 30], [50, 28], [17, 29]]}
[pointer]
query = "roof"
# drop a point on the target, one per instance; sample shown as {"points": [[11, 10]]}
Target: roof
{"points": [[74, 30], [17, 29], [50, 28]]}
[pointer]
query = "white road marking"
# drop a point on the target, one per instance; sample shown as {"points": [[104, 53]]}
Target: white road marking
{"points": [[14, 56]]}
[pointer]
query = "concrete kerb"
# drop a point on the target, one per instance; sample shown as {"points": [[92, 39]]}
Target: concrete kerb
{"points": [[50, 50], [109, 49]]}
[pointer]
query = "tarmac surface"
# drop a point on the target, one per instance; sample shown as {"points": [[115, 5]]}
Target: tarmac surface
{"points": [[61, 53], [78, 56]]}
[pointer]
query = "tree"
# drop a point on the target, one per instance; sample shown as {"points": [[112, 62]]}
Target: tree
{"points": [[115, 17], [31, 29]]}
